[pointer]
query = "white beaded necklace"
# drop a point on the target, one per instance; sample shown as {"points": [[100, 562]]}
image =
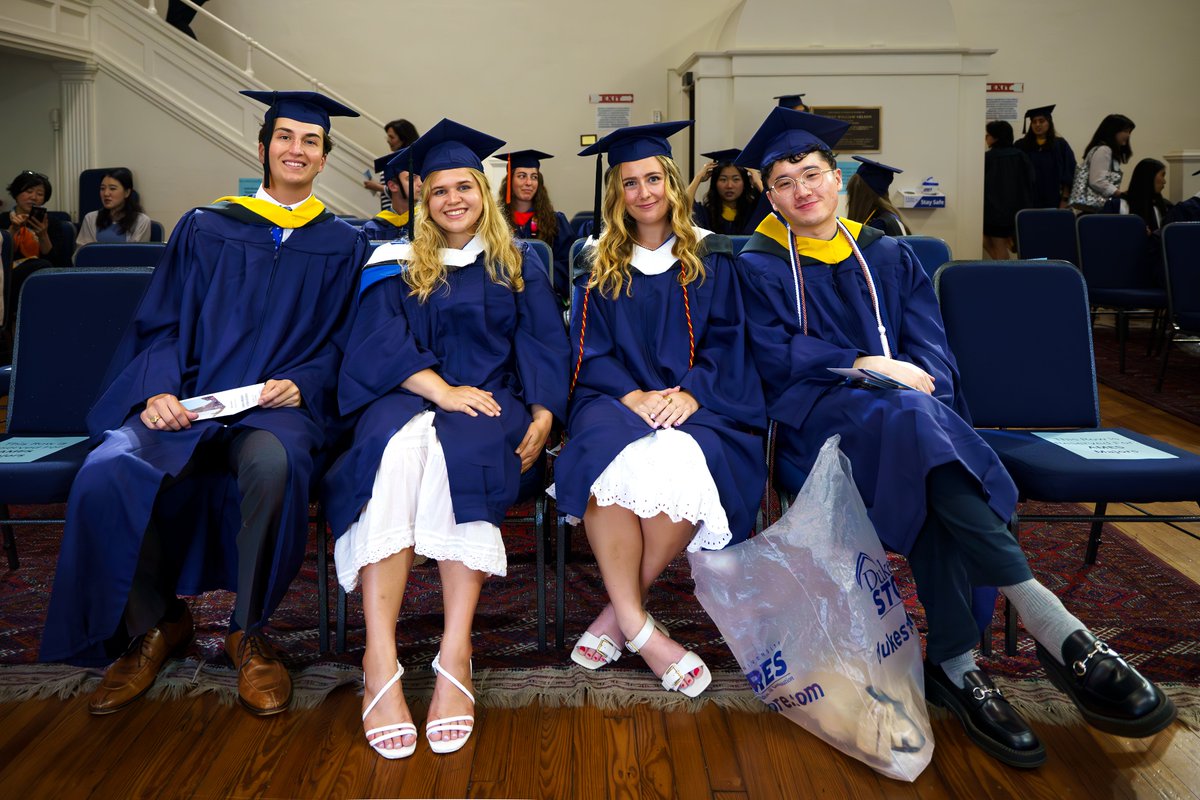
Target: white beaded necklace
{"points": [[798, 283]]}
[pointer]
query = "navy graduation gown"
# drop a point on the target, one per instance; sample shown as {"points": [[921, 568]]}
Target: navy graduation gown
{"points": [[641, 342], [892, 438], [703, 219], [473, 333], [1053, 168], [383, 228], [564, 236], [887, 223], [225, 308]]}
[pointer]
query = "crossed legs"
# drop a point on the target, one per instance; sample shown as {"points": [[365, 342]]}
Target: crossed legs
{"points": [[631, 553]]}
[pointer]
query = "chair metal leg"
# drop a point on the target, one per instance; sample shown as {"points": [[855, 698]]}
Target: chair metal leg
{"points": [[560, 581], [539, 517], [1168, 338], [1122, 336], [1094, 540], [1010, 611], [322, 581], [10, 541], [340, 646], [985, 641]]}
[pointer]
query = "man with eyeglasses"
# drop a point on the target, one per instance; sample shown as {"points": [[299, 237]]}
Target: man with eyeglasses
{"points": [[825, 293]]}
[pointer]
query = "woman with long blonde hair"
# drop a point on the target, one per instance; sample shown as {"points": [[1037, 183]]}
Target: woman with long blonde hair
{"points": [[664, 450], [455, 368]]}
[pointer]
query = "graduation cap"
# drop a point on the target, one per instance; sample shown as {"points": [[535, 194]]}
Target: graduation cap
{"points": [[450, 145], [725, 156], [787, 133], [1040, 111], [311, 107], [790, 100], [631, 144], [392, 164], [520, 159], [876, 175]]}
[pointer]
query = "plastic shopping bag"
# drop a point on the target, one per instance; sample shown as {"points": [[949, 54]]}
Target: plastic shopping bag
{"points": [[811, 613]]}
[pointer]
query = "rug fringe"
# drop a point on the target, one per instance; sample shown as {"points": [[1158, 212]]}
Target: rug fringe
{"points": [[607, 689]]}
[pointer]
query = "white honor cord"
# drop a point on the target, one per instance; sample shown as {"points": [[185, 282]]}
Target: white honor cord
{"points": [[862, 262], [798, 284]]}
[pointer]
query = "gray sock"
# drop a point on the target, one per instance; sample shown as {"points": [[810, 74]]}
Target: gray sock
{"points": [[955, 668], [1043, 615]]}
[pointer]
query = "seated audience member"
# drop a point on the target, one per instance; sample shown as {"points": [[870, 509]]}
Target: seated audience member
{"points": [[793, 101], [525, 203], [456, 367], [36, 236], [393, 222], [251, 292], [1103, 161], [1144, 196], [867, 197], [1185, 210], [823, 292], [664, 446], [120, 217], [1007, 187], [400, 134], [733, 204], [1052, 158]]}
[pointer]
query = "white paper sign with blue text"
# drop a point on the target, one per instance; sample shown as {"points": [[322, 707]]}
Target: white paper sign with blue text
{"points": [[1103, 445]]}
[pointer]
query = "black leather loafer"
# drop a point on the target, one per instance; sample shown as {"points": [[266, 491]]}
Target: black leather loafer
{"points": [[1110, 694], [989, 720]]}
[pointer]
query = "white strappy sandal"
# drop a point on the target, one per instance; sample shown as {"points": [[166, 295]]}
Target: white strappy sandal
{"points": [[448, 724], [377, 736], [603, 645], [676, 674]]}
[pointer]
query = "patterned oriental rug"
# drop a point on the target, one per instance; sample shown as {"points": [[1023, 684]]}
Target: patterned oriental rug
{"points": [[1140, 605], [1180, 395]]}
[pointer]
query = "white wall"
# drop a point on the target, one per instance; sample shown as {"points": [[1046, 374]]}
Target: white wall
{"points": [[523, 70], [31, 93]]}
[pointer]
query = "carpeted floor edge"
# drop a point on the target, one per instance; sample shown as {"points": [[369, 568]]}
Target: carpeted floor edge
{"points": [[1036, 699]]}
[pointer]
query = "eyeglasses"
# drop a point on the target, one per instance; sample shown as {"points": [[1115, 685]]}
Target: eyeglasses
{"points": [[810, 179]]}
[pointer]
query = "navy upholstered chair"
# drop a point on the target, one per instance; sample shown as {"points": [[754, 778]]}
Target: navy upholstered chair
{"points": [[1181, 260], [156, 231], [1021, 333], [1113, 257], [69, 323], [578, 220], [545, 253], [931, 251], [6, 287], [119, 254], [1047, 233]]}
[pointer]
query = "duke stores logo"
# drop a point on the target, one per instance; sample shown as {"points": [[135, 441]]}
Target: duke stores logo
{"points": [[875, 577], [771, 672]]}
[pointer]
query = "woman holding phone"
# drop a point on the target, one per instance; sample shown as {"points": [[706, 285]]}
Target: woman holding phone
{"points": [[31, 229]]}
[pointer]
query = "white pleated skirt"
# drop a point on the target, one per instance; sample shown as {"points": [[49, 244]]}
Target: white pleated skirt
{"points": [[665, 472], [410, 506]]}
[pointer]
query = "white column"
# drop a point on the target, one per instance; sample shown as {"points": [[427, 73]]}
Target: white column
{"points": [[77, 135]]}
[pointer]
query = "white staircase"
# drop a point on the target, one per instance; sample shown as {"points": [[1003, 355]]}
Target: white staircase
{"points": [[131, 44]]}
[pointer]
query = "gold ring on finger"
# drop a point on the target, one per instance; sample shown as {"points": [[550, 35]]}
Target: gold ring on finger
{"points": [[154, 420]]}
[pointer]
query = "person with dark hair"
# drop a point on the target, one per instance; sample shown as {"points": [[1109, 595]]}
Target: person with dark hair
{"points": [[393, 222], [120, 217], [867, 197], [664, 445], [825, 293], [525, 203], [400, 134], [251, 294], [36, 236], [1052, 158], [1099, 187], [456, 368], [1008, 180], [733, 205], [1144, 196]]}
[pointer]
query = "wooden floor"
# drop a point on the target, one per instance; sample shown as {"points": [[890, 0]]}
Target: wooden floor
{"points": [[198, 748]]}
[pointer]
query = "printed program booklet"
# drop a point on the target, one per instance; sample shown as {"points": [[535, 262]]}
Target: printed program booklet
{"points": [[869, 379], [226, 403]]}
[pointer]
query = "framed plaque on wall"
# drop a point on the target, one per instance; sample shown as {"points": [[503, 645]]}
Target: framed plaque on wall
{"points": [[866, 127]]}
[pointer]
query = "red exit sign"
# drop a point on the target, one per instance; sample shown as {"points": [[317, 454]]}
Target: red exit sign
{"points": [[1006, 87], [611, 98]]}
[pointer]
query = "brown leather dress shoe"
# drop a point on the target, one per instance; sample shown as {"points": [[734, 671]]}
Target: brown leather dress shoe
{"points": [[264, 685], [131, 675]]}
